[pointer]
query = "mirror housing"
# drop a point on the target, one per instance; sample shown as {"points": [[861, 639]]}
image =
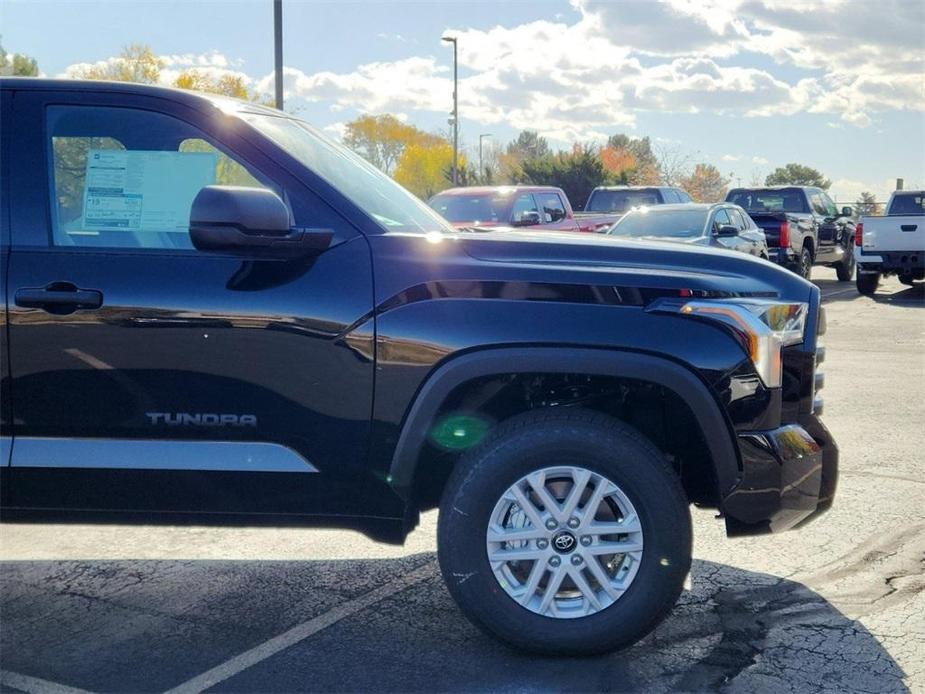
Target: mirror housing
{"points": [[253, 222], [847, 211], [726, 230], [528, 219]]}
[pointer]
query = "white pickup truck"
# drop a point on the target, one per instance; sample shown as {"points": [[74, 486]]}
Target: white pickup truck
{"points": [[892, 244]]}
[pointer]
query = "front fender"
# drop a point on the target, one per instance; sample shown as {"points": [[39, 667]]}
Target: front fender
{"points": [[682, 381]]}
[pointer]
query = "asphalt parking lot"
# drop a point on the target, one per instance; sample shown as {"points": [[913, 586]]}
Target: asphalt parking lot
{"points": [[836, 606]]}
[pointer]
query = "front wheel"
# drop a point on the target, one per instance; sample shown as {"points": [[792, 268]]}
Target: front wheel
{"points": [[845, 269], [564, 533], [867, 282], [806, 263]]}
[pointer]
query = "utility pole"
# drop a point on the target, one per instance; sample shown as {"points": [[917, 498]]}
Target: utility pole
{"points": [[455, 123], [278, 51], [481, 169]]}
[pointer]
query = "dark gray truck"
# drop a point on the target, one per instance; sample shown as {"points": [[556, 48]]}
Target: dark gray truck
{"points": [[803, 227]]}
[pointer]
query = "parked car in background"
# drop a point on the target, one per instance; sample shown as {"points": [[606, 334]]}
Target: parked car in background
{"points": [[620, 199], [720, 225], [541, 207], [893, 244], [802, 226]]}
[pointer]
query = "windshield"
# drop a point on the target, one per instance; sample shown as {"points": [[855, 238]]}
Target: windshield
{"points": [[908, 203], [785, 200], [620, 200], [365, 185], [473, 209], [661, 222]]}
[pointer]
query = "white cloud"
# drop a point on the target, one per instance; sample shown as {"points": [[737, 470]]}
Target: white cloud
{"points": [[759, 160], [595, 71], [730, 157]]}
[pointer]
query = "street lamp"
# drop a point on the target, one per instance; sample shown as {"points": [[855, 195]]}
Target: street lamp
{"points": [[455, 119], [278, 51], [481, 170]]}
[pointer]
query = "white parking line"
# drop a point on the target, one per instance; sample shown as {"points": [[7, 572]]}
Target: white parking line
{"points": [[244, 660], [35, 685]]}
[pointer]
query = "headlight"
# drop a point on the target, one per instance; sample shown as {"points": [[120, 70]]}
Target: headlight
{"points": [[763, 326]]}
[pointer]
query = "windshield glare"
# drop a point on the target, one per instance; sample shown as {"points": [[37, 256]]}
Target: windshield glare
{"points": [[769, 200], [367, 187], [620, 200], [660, 222], [473, 208]]}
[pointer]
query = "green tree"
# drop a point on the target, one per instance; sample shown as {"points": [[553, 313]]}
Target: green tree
{"points": [[797, 175], [705, 184], [17, 64], [382, 140], [867, 204], [529, 145], [576, 172]]}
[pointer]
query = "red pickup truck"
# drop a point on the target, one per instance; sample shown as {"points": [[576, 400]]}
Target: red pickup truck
{"points": [[541, 207]]}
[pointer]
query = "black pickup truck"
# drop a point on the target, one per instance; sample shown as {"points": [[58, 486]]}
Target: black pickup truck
{"points": [[213, 315], [802, 226]]}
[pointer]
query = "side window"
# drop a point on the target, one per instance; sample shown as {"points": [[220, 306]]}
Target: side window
{"points": [[126, 178], [738, 220], [522, 205], [553, 209], [720, 218], [815, 200], [830, 208], [672, 196], [682, 196]]}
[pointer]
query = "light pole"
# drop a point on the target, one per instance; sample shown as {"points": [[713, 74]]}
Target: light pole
{"points": [[452, 39], [481, 170], [278, 51]]}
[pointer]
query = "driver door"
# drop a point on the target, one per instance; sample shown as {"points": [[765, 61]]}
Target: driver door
{"points": [[148, 376]]}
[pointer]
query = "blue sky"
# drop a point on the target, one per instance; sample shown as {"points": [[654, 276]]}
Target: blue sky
{"points": [[836, 84]]}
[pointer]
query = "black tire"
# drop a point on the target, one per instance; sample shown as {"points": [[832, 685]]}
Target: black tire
{"points": [[845, 269], [595, 442], [806, 263], [867, 282]]}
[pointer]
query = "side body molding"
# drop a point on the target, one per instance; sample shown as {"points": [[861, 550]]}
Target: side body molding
{"points": [[644, 367]]}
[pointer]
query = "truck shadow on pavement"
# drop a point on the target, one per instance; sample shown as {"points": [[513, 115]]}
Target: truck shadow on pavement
{"points": [[152, 625], [889, 292]]}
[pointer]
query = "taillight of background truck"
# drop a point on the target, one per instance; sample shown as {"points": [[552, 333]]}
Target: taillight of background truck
{"points": [[858, 234], [784, 241]]}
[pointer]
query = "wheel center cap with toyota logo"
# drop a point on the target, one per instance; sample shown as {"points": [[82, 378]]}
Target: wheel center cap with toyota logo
{"points": [[563, 542]]}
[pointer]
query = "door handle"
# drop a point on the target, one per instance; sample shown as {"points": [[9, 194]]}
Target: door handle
{"points": [[58, 297], [908, 227]]}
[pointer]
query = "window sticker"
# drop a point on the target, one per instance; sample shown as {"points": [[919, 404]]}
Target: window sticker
{"points": [[143, 190]]}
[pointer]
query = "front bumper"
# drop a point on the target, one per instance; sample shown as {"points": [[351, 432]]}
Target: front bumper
{"points": [[833, 253], [789, 477]]}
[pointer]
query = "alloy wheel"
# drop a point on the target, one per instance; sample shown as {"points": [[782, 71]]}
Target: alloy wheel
{"points": [[564, 542]]}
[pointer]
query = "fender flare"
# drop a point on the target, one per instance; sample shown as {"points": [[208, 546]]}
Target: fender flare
{"points": [[682, 381]]}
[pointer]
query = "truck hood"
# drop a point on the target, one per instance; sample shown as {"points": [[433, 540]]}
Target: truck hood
{"points": [[607, 260]]}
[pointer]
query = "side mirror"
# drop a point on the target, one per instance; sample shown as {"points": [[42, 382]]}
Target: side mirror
{"points": [[528, 219], [727, 230], [250, 222], [847, 211]]}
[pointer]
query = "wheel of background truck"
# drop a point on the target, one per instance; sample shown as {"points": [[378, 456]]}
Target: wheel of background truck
{"points": [[845, 269], [867, 282], [564, 532], [806, 263]]}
